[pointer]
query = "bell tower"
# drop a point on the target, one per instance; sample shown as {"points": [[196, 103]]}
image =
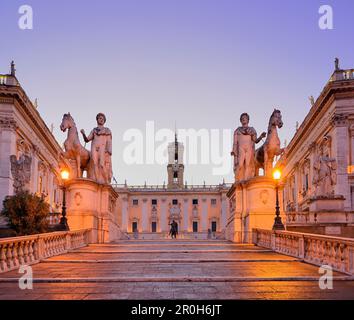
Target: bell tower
{"points": [[175, 167]]}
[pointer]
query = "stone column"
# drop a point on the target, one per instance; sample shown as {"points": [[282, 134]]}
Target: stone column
{"points": [[125, 204], [296, 185], [204, 220], [185, 215], [352, 148], [312, 150], [341, 154], [223, 219], [34, 169], [144, 216], [8, 147], [163, 220]]}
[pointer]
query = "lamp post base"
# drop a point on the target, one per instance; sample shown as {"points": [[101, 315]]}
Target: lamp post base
{"points": [[278, 225], [64, 224]]}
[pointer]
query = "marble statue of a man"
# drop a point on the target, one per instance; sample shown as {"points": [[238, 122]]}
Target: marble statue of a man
{"points": [[245, 138], [101, 150], [324, 173]]}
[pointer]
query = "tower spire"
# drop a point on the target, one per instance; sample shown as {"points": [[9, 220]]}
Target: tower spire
{"points": [[13, 69], [175, 131], [176, 143]]}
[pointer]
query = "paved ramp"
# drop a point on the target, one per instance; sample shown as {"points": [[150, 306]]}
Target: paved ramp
{"points": [[174, 269]]}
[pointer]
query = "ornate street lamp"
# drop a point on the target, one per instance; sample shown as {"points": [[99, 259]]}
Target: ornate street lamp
{"points": [[64, 221], [278, 225]]}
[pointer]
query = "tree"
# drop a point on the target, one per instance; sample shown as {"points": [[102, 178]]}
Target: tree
{"points": [[27, 213]]}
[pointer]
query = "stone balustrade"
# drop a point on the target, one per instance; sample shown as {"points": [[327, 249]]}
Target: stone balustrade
{"points": [[312, 248], [294, 218], [339, 75], [32, 249], [154, 188], [8, 80], [297, 217]]}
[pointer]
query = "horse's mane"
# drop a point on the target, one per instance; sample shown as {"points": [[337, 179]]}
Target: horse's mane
{"points": [[270, 119], [69, 117]]}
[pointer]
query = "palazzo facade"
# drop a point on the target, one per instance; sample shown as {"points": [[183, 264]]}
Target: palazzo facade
{"points": [[318, 167], [147, 211], [30, 156]]}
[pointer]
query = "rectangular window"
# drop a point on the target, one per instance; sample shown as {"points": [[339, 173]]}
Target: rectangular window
{"points": [[153, 226], [213, 226], [175, 175], [195, 226], [174, 202], [195, 201], [154, 202], [213, 202], [135, 202], [134, 226]]}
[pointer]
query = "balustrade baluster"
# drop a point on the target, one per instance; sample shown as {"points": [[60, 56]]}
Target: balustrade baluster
{"points": [[3, 263], [25, 251], [15, 255], [21, 259]]}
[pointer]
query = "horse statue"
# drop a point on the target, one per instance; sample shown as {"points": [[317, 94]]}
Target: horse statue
{"points": [[73, 148], [264, 155]]}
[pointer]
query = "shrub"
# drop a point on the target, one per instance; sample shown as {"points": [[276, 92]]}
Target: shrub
{"points": [[27, 213]]}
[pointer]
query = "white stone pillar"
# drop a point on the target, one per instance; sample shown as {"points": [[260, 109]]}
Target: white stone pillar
{"points": [[34, 170], [223, 219], [185, 215], [312, 150], [125, 218], [8, 147], [296, 186], [341, 154], [204, 219], [163, 220], [144, 216]]}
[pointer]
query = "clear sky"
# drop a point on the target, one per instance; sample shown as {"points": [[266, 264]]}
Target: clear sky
{"points": [[199, 63]]}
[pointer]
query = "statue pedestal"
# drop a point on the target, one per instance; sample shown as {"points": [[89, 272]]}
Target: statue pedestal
{"points": [[252, 205], [93, 205], [324, 203]]}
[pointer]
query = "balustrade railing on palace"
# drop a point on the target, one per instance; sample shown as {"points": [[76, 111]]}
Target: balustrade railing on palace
{"points": [[28, 250], [347, 74], [8, 80], [165, 188], [297, 217], [312, 248]]}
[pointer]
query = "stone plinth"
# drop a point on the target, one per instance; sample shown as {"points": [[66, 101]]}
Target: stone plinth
{"points": [[93, 205], [333, 203], [252, 205]]}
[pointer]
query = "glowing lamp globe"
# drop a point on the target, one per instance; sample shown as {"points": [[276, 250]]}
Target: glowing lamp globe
{"points": [[65, 175], [276, 174]]}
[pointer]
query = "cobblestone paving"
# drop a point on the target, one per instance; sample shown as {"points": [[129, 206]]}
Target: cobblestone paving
{"points": [[203, 270]]}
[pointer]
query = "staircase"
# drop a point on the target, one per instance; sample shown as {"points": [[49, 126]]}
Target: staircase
{"points": [[174, 269]]}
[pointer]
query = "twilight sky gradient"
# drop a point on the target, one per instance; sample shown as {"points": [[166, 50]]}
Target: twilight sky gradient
{"points": [[200, 63]]}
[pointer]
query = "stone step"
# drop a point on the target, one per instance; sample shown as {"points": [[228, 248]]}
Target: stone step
{"points": [[174, 279], [169, 260], [167, 251], [119, 245], [173, 243]]}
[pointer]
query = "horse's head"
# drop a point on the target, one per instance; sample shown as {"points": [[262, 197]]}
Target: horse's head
{"points": [[67, 122], [276, 119]]}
